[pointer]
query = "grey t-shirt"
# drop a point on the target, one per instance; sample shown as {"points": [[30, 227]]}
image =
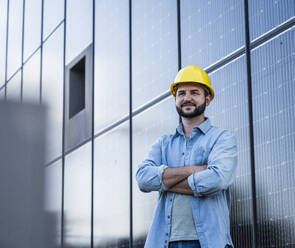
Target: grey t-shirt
{"points": [[183, 225]]}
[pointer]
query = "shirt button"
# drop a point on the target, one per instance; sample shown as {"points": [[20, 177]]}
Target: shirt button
{"points": [[183, 153], [166, 234], [166, 241], [168, 216], [171, 200]]}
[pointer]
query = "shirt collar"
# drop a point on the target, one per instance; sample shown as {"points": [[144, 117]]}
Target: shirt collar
{"points": [[204, 127], [179, 129]]}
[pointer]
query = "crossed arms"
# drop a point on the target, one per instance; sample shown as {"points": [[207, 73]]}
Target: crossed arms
{"points": [[175, 179], [154, 174]]}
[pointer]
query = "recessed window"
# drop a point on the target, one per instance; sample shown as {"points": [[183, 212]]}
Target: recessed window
{"points": [[77, 88], [78, 98]]}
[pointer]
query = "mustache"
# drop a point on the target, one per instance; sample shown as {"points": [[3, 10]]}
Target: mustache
{"points": [[188, 103]]}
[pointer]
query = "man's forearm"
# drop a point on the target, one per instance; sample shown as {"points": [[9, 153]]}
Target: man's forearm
{"points": [[173, 176], [182, 188]]}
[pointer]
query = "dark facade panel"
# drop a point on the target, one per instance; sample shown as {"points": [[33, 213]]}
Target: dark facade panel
{"points": [[229, 110], [154, 48], [265, 15], [210, 30], [111, 189], [273, 100], [24, 222], [111, 101], [77, 87], [77, 198], [52, 91], [147, 128]]}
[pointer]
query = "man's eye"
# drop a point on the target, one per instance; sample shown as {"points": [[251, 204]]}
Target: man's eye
{"points": [[181, 93]]}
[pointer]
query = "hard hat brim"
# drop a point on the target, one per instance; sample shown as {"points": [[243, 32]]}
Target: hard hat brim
{"points": [[175, 84]]}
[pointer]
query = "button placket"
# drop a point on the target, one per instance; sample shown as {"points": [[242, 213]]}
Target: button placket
{"points": [[186, 153]]}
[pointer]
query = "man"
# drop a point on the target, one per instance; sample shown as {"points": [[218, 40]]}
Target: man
{"points": [[192, 169]]}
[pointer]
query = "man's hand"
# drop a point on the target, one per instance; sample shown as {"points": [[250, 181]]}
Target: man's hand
{"points": [[197, 168], [173, 176], [182, 188]]}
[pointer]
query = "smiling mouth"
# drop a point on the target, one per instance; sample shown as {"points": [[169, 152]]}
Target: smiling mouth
{"points": [[187, 105]]}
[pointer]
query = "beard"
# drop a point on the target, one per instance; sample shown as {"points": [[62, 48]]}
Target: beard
{"points": [[198, 110]]}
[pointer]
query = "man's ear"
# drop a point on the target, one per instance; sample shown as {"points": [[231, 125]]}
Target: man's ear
{"points": [[208, 100]]}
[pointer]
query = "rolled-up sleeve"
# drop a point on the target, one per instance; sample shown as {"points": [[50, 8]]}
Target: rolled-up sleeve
{"points": [[149, 173], [221, 167]]}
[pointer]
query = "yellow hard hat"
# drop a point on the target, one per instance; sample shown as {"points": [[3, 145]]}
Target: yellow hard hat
{"points": [[192, 74]]}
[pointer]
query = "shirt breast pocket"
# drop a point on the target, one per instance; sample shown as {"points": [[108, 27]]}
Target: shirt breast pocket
{"points": [[198, 156]]}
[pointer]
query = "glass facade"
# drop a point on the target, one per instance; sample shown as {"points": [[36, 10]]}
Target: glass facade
{"points": [[154, 48], [266, 15], [79, 27], [13, 88], [52, 91], [53, 13], [2, 94], [53, 191], [230, 85], [137, 47], [15, 32], [273, 96], [111, 74], [31, 79], [3, 26], [111, 172], [32, 26], [77, 201], [210, 30]]}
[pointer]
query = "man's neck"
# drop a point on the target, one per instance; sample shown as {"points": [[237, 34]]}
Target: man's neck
{"points": [[189, 123]]}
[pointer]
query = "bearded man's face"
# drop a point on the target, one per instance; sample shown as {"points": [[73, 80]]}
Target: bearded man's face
{"points": [[190, 100]]}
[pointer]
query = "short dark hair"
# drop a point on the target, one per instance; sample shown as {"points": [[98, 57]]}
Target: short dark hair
{"points": [[206, 90]]}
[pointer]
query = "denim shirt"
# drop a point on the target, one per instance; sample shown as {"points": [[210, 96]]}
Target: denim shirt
{"points": [[210, 203]]}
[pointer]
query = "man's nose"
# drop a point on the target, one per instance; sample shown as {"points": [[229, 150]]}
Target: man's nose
{"points": [[187, 97]]}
